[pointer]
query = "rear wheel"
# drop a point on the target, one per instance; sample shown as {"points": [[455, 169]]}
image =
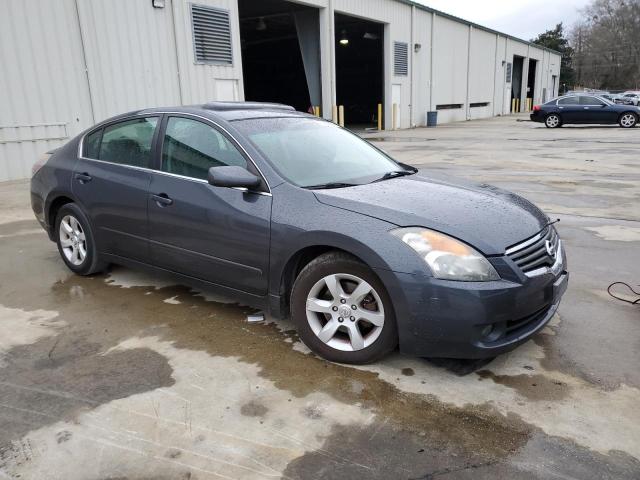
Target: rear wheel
{"points": [[342, 311], [553, 121], [628, 120], [76, 242]]}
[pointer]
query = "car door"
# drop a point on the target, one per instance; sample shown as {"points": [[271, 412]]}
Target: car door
{"points": [[595, 110], [111, 182], [216, 234], [569, 108]]}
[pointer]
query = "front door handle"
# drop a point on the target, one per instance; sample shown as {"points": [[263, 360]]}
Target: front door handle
{"points": [[83, 177], [162, 199]]}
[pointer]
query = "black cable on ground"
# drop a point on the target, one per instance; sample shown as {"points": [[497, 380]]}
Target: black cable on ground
{"points": [[632, 302]]}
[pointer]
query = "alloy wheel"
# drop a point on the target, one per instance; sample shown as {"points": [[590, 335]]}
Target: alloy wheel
{"points": [[73, 240], [553, 121], [628, 120], [345, 312]]}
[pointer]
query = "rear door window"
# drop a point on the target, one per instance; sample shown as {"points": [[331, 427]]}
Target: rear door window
{"points": [[128, 142], [569, 101]]}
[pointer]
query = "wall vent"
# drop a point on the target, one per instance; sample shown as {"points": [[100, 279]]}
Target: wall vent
{"points": [[211, 35], [509, 68], [449, 106], [400, 58]]}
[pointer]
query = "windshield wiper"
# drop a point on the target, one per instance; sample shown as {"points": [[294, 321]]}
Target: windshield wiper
{"points": [[394, 174], [329, 185]]}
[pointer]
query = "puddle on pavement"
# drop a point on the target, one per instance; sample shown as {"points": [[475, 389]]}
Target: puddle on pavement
{"points": [[532, 387]]}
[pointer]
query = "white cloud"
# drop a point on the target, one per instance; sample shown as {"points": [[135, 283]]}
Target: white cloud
{"points": [[520, 18]]}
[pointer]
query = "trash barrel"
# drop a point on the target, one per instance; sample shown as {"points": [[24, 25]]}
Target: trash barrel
{"points": [[432, 119]]}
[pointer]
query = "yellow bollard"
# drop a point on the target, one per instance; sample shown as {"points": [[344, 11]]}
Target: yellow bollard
{"points": [[513, 105], [380, 117], [316, 111], [517, 105], [334, 113], [341, 115], [394, 119]]}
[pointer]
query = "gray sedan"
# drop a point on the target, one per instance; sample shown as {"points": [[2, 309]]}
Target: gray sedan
{"points": [[296, 216]]}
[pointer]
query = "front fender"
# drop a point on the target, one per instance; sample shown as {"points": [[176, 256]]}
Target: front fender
{"points": [[300, 221]]}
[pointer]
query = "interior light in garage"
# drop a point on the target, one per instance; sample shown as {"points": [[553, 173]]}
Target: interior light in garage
{"points": [[157, 3], [370, 36], [262, 25], [343, 38]]}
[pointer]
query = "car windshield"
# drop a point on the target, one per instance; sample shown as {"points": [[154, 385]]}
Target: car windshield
{"points": [[314, 153]]}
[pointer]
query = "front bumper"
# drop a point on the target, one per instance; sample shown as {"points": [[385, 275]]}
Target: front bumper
{"points": [[440, 318]]}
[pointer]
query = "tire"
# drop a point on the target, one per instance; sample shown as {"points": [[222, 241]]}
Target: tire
{"points": [[74, 236], [628, 120], [347, 339], [553, 120]]}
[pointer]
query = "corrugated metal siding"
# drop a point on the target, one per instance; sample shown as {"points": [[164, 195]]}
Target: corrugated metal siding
{"points": [[43, 90], [130, 55]]}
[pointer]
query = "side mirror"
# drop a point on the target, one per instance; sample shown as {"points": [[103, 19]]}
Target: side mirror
{"points": [[232, 177]]}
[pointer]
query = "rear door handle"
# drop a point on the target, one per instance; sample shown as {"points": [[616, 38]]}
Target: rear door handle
{"points": [[162, 199], [83, 177]]}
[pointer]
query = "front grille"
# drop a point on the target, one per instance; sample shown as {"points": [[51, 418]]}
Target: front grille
{"points": [[533, 253]]}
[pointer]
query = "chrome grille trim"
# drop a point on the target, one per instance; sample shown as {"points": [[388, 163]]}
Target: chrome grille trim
{"points": [[533, 255]]}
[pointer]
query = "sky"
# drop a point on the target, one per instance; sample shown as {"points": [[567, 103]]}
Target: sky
{"points": [[521, 18]]}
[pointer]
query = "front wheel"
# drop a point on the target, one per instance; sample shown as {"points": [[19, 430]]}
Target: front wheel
{"points": [[75, 241], [342, 310], [628, 120], [553, 121]]}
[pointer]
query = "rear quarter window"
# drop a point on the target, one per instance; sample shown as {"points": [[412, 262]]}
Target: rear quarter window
{"points": [[91, 145]]}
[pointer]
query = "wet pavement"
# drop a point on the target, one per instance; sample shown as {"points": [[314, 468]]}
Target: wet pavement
{"points": [[128, 376]]}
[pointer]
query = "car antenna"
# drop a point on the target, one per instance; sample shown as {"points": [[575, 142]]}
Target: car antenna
{"points": [[557, 220]]}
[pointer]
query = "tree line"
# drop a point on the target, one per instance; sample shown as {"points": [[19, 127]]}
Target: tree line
{"points": [[602, 50]]}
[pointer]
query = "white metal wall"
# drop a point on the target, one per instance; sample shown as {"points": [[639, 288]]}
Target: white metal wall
{"points": [[68, 64], [44, 97]]}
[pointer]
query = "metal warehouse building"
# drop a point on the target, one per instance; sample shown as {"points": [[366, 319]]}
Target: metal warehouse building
{"points": [[67, 64]]}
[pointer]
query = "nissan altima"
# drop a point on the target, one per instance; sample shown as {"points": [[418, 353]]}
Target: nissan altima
{"points": [[298, 217]]}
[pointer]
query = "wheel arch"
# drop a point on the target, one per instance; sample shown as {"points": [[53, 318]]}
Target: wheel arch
{"points": [[54, 203], [301, 256], [624, 112], [558, 114]]}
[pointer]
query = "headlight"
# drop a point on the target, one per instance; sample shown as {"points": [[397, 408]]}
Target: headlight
{"points": [[448, 258]]}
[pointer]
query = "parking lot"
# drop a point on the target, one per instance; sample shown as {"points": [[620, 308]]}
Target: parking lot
{"points": [[123, 375]]}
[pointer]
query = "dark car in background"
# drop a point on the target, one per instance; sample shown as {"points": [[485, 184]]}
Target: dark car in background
{"points": [[296, 216], [585, 109]]}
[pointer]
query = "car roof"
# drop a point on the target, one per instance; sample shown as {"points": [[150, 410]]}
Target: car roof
{"points": [[230, 111]]}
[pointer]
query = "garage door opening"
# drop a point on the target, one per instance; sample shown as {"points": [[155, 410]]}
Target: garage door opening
{"points": [[516, 84], [280, 52], [531, 83], [359, 48]]}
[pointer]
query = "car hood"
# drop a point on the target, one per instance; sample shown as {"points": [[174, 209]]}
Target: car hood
{"points": [[486, 217]]}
